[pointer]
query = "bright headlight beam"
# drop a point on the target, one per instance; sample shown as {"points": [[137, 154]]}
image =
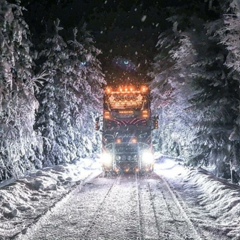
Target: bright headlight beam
{"points": [[147, 157], [106, 159]]}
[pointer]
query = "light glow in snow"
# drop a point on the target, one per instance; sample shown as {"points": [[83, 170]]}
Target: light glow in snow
{"points": [[211, 197], [212, 202]]}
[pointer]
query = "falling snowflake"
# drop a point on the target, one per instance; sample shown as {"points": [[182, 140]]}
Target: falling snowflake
{"points": [[143, 18]]}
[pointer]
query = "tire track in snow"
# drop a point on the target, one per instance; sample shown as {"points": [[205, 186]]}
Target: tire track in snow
{"points": [[187, 230], [149, 226], [139, 206], [99, 209], [125, 208], [119, 216]]}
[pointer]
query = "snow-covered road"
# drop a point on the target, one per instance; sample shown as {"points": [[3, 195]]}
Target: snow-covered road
{"points": [[68, 202], [125, 207]]}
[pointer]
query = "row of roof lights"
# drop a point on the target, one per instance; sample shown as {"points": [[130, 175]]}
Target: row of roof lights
{"points": [[127, 89]]}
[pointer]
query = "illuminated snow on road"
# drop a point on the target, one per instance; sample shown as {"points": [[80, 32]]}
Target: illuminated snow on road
{"points": [[176, 203]]}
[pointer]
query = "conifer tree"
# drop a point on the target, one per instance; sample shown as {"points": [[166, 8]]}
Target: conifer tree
{"points": [[68, 98], [17, 101], [229, 37], [210, 88], [215, 101], [89, 84]]}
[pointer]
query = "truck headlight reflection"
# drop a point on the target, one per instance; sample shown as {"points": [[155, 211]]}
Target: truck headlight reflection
{"points": [[106, 159], [147, 157]]}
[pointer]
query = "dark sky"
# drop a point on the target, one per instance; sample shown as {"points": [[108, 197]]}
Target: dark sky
{"points": [[126, 29]]}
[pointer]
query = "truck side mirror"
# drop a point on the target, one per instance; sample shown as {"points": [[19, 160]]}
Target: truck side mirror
{"points": [[155, 122], [97, 125]]}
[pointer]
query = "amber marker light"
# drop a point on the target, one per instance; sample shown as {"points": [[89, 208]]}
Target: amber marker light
{"points": [[119, 141], [144, 89], [108, 90], [145, 114], [107, 115], [134, 140]]}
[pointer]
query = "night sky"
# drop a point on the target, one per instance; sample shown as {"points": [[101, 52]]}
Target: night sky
{"points": [[126, 31]]}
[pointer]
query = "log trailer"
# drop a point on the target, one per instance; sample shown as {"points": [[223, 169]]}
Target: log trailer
{"points": [[126, 130]]}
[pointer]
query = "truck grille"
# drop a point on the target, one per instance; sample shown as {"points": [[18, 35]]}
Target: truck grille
{"points": [[126, 148], [127, 158]]}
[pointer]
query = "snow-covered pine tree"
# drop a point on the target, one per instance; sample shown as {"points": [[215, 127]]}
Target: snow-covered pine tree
{"points": [[209, 85], [229, 37], [184, 117], [211, 90], [171, 85], [53, 117], [213, 102], [67, 101], [161, 89], [88, 85], [17, 100], [171, 90]]}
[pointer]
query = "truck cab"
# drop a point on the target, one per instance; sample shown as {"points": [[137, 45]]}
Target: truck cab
{"points": [[126, 130]]}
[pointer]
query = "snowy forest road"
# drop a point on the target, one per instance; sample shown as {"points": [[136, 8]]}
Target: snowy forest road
{"points": [[126, 207]]}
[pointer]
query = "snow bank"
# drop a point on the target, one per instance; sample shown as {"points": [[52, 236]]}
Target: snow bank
{"points": [[24, 200], [219, 198]]}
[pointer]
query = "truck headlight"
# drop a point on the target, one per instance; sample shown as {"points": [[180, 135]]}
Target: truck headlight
{"points": [[147, 157], [106, 159]]}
